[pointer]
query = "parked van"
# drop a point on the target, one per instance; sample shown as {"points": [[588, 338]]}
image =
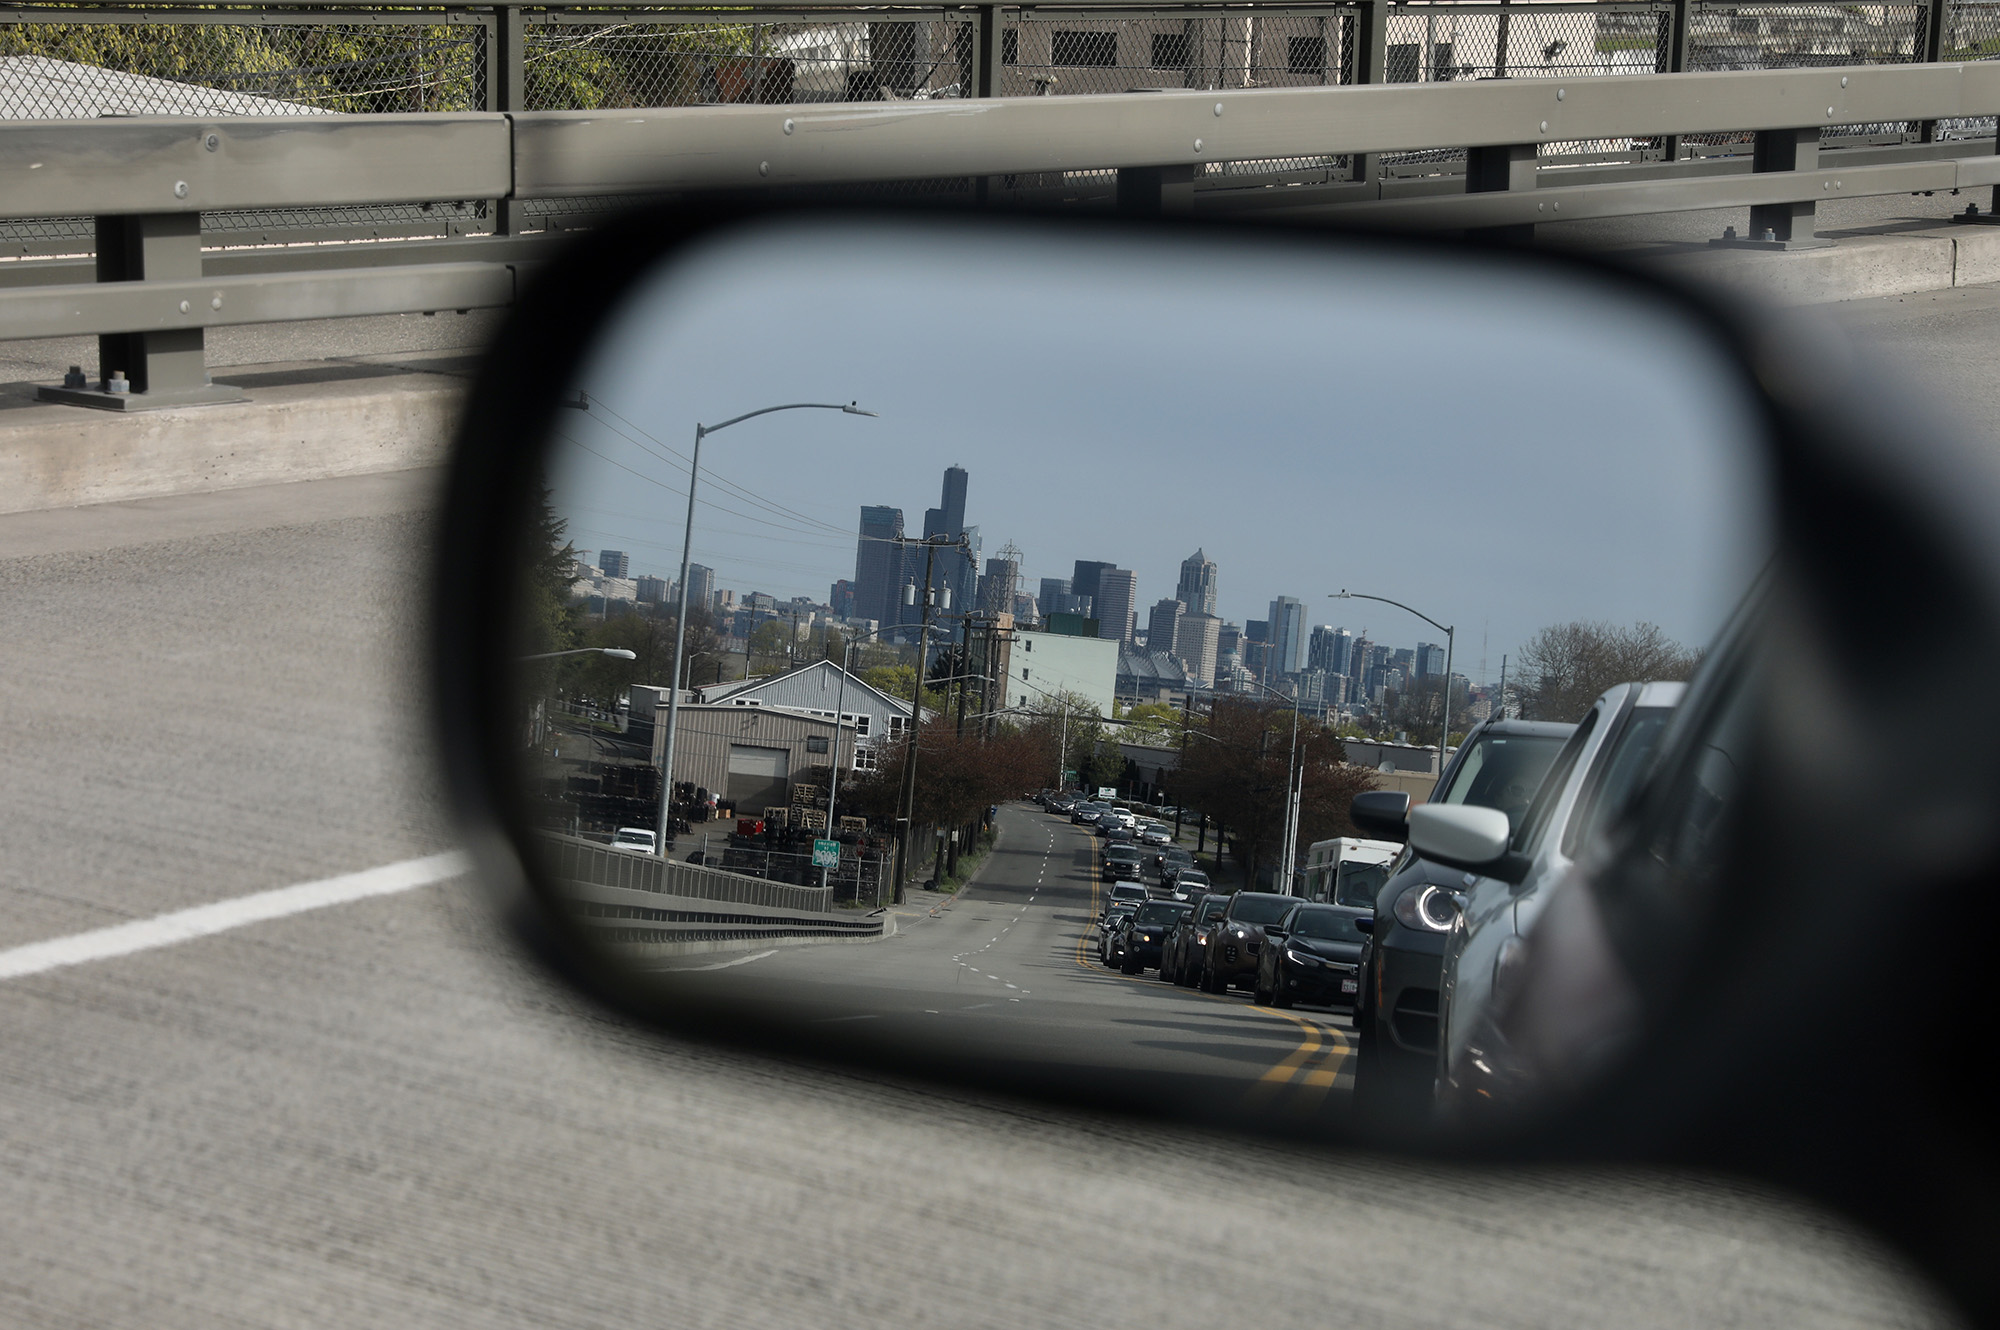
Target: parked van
{"points": [[1348, 870]]}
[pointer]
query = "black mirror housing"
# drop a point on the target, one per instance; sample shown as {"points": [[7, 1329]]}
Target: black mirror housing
{"points": [[1381, 814]]}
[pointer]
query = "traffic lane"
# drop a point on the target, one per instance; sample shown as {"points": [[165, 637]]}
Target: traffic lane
{"points": [[1004, 985], [210, 715]]}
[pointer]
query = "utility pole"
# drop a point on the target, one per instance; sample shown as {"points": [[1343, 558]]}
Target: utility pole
{"points": [[908, 801]]}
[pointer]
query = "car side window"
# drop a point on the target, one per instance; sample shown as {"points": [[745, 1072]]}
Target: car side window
{"points": [[1529, 838], [1688, 839]]}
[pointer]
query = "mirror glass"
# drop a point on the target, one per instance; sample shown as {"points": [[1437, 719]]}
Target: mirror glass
{"points": [[1209, 533]]}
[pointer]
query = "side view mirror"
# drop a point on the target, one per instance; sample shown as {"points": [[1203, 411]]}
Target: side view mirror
{"points": [[1468, 837], [1381, 814], [1276, 934]]}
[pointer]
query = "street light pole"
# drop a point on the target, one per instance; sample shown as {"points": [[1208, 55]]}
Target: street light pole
{"points": [[1450, 641], [701, 432], [840, 705], [1293, 783]]}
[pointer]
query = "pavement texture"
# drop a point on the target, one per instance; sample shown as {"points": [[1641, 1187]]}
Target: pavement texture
{"points": [[380, 1113]]}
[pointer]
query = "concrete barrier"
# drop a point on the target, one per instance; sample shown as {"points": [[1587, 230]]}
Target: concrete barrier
{"points": [[303, 422], [1856, 267]]}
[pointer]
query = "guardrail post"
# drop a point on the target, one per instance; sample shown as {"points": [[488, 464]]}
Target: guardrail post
{"points": [[507, 90], [1150, 191], [142, 370], [1785, 150], [1370, 65], [1671, 55], [1930, 50], [1505, 166]]}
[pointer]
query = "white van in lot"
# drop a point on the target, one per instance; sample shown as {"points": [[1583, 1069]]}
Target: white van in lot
{"points": [[1348, 870]]}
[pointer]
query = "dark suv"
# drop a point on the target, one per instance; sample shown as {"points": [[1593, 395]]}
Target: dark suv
{"points": [[1145, 934], [1500, 765], [1180, 963], [1236, 940]]}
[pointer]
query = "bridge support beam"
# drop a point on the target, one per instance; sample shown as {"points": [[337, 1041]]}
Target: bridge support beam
{"points": [[147, 370]]}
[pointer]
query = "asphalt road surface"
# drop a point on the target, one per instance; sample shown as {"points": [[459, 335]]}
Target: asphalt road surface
{"points": [[1008, 975], [378, 1113]]}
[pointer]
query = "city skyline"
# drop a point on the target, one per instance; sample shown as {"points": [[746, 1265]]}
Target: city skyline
{"points": [[1107, 436]]}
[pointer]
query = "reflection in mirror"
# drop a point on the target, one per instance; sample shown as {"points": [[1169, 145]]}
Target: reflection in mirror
{"points": [[1046, 597]]}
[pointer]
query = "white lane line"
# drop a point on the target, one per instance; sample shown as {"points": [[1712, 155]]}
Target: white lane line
{"points": [[723, 965], [166, 930]]}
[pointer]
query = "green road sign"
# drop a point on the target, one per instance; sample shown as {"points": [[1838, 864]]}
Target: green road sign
{"points": [[826, 854]]}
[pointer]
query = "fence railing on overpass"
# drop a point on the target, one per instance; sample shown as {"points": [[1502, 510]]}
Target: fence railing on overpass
{"points": [[165, 163], [648, 907]]}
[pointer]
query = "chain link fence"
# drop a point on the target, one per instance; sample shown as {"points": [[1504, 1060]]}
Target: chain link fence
{"points": [[66, 61]]}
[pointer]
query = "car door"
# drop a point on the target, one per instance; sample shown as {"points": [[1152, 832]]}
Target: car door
{"points": [[1485, 919]]}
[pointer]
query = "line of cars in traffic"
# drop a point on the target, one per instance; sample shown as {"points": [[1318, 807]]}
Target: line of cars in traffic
{"points": [[1420, 929]]}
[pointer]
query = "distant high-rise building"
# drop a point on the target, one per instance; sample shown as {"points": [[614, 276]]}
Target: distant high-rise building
{"points": [[841, 599], [1228, 639], [1430, 660], [1288, 635], [1002, 578], [1052, 587], [1117, 602], [615, 563], [1163, 627], [1083, 582], [1197, 588], [1331, 649], [878, 566], [701, 585], [1256, 630], [952, 568], [652, 590], [1196, 644]]}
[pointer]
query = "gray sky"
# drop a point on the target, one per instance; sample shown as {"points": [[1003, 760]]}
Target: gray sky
{"points": [[1498, 448]]}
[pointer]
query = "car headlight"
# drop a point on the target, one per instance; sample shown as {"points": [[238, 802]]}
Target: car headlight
{"points": [[1241, 933], [1427, 908], [1201, 941], [1302, 958]]}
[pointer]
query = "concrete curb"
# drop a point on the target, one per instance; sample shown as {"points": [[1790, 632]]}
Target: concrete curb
{"points": [[1856, 267], [302, 423]]}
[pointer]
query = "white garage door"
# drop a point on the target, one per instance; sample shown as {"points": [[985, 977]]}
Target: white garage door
{"points": [[757, 778]]}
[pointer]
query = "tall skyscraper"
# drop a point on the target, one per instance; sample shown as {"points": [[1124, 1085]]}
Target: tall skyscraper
{"points": [[1288, 635], [1052, 587], [1163, 627], [701, 585], [997, 587], [1197, 588], [1084, 581], [954, 569], [1330, 649], [1197, 643], [878, 566], [1430, 659], [1117, 600], [614, 563]]}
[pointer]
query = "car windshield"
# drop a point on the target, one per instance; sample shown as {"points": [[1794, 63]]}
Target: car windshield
{"points": [[1356, 884], [1503, 771], [1193, 878], [1330, 924], [1260, 909], [635, 838], [1159, 912], [1121, 852], [1212, 908]]}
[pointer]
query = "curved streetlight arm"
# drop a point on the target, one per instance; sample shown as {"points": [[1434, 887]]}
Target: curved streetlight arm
{"points": [[1356, 595], [616, 653], [851, 408]]}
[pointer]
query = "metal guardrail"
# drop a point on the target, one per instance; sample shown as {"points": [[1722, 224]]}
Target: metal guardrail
{"points": [[153, 185], [653, 908], [573, 860]]}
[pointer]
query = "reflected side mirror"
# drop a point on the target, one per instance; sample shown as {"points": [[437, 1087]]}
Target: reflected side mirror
{"points": [[1381, 814], [1467, 837]]}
